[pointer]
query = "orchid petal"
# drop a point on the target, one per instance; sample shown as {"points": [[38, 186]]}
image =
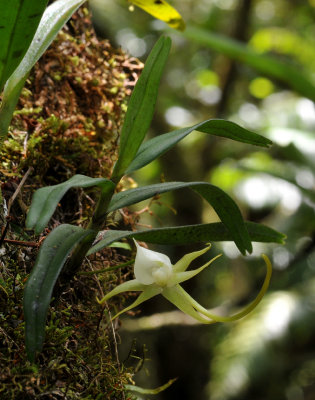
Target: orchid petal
{"points": [[185, 261], [182, 302], [128, 286], [247, 309], [147, 261], [147, 294], [184, 276]]}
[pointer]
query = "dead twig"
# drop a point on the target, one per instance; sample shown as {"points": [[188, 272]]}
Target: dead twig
{"points": [[10, 202], [22, 242], [18, 189]]}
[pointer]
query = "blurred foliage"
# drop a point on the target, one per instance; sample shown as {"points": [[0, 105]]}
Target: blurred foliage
{"points": [[270, 354]]}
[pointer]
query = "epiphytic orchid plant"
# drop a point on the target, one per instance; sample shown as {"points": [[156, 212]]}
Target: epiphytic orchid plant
{"points": [[66, 246], [154, 274]]}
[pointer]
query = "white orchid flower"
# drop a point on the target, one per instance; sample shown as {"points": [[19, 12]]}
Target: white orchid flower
{"points": [[155, 274]]}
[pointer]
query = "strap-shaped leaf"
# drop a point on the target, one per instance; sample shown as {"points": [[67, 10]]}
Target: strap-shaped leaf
{"points": [[141, 106], [159, 145], [18, 22], [38, 291], [53, 19], [222, 203], [215, 232], [46, 199]]}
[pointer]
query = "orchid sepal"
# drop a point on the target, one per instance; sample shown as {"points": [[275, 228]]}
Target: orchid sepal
{"points": [[147, 294], [180, 277], [129, 286], [186, 260]]}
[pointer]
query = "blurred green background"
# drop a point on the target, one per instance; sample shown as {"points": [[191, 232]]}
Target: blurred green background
{"points": [[252, 62]]}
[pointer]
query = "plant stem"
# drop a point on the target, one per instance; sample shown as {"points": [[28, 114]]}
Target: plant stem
{"points": [[95, 225], [99, 217]]}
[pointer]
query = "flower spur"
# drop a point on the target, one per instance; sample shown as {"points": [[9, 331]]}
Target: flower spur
{"points": [[154, 274]]}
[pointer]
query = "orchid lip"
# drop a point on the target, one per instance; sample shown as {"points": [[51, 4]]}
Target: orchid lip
{"points": [[151, 265]]}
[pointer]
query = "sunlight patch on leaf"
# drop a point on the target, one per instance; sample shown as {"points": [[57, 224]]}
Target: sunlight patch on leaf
{"points": [[160, 9]]}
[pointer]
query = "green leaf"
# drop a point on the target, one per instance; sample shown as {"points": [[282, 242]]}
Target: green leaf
{"points": [[265, 64], [222, 203], [46, 199], [38, 291], [215, 232], [157, 390], [157, 146], [141, 106], [163, 11], [53, 19], [121, 245], [18, 22]]}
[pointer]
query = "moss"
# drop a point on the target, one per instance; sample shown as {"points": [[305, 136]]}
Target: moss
{"points": [[70, 111], [67, 122], [78, 359]]}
